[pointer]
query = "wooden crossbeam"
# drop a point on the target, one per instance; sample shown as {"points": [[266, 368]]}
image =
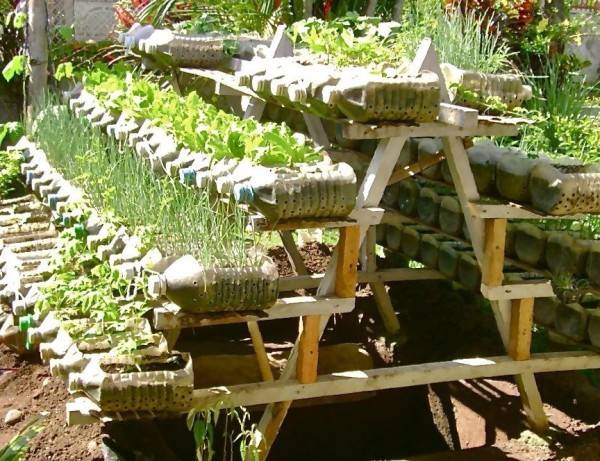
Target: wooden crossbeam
{"points": [[409, 171], [165, 318], [84, 411], [393, 377]]}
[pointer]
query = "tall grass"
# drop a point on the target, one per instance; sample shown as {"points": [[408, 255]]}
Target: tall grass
{"points": [[558, 92], [463, 40], [177, 219]]}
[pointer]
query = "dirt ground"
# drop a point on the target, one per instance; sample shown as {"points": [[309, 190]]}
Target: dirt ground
{"points": [[471, 420]]}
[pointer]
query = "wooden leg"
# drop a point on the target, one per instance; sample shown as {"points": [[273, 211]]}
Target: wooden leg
{"points": [[519, 347], [370, 193], [308, 352], [259, 349], [292, 251], [347, 262], [493, 251], [380, 294]]}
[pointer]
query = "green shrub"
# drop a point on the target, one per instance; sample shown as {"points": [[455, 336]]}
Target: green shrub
{"points": [[10, 174]]}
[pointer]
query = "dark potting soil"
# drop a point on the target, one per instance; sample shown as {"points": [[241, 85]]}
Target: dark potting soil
{"points": [[173, 363]]}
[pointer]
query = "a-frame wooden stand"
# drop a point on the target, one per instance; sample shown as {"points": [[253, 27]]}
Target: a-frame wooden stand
{"points": [[512, 304]]}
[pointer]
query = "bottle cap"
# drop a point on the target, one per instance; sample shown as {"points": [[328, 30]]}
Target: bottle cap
{"points": [[25, 323], [157, 285], [53, 201], [80, 231], [243, 193], [187, 176]]}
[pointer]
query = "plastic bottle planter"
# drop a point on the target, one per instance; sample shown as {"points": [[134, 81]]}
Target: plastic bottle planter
{"points": [[163, 384], [565, 254], [504, 87], [411, 240], [430, 247], [393, 237], [427, 148], [594, 327], [95, 341], [369, 98], [315, 191], [44, 332], [572, 321], [408, 193], [429, 202], [76, 360], [23, 305], [483, 158], [180, 50], [308, 92], [451, 218], [116, 245], [199, 289], [530, 244], [449, 256], [565, 193], [592, 266], [513, 170], [544, 311], [469, 272]]}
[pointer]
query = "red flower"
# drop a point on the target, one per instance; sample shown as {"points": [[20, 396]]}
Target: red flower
{"points": [[327, 6], [124, 16], [138, 4]]}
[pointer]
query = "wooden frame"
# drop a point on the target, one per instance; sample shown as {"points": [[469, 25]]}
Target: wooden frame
{"points": [[512, 304]]}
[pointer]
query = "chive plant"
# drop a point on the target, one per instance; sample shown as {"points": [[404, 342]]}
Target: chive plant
{"points": [[176, 219]]}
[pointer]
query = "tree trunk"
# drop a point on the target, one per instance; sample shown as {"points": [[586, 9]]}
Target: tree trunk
{"points": [[37, 39]]}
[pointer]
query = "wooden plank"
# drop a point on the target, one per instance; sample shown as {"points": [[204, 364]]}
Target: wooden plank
{"points": [[308, 351], [382, 298], [347, 262], [493, 252], [381, 275], [426, 59], [367, 215], [460, 169], [259, 350], [316, 130], [485, 127], [408, 171], [541, 289], [532, 402], [510, 210], [521, 323], [391, 378], [165, 318], [294, 256], [458, 115]]}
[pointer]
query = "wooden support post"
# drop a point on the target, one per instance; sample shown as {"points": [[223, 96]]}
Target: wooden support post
{"points": [[347, 262], [521, 321], [37, 38], [259, 349], [382, 298], [493, 252], [294, 256], [308, 352]]}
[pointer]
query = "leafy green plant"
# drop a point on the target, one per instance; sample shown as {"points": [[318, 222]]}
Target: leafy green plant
{"points": [[174, 218], [235, 16], [16, 449], [10, 174], [198, 125], [203, 425], [460, 39]]}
